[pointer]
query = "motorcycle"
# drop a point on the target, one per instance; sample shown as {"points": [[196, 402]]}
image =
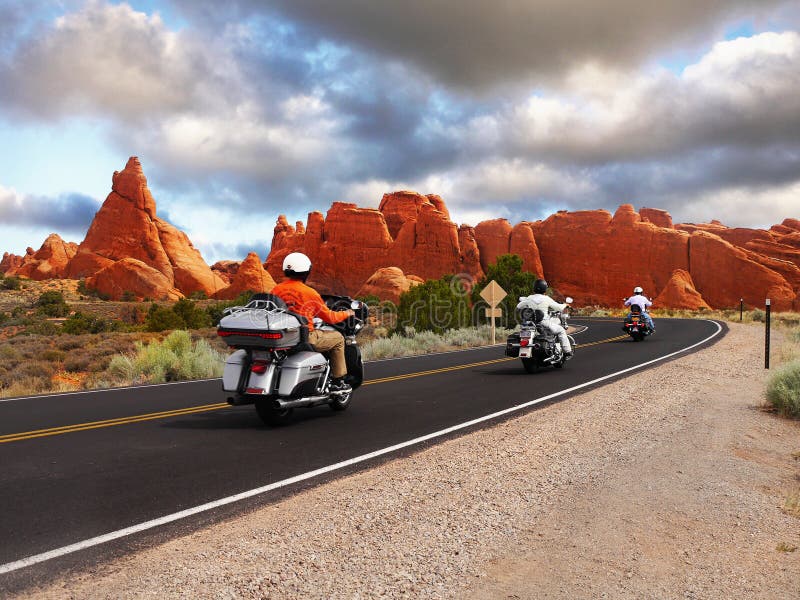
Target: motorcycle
{"points": [[535, 345], [274, 367], [636, 325]]}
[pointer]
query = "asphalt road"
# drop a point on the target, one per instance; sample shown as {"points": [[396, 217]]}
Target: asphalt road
{"points": [[77, 466]]}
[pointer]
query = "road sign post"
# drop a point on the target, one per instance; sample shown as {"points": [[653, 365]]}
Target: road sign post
{"points": [[493, 294], [766, 338]]}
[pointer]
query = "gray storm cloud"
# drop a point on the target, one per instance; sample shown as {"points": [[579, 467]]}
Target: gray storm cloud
{"points": [[478, 44], [68, 213]]}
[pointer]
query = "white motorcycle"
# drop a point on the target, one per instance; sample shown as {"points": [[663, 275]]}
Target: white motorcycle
{"points": [[274, 366], [535, 344]]}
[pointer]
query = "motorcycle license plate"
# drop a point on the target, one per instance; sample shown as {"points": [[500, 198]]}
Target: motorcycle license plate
{"points": [[635, 319], [524, 352]]}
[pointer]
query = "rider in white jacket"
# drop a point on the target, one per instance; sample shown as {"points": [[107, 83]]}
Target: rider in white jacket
{"points": [[644, 303], [540, 301]]}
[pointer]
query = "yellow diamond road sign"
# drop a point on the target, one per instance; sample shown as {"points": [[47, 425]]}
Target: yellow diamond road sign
{"points": [[493, 293]]}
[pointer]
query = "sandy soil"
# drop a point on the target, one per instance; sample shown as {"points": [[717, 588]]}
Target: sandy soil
{"points": [[669, 485]]}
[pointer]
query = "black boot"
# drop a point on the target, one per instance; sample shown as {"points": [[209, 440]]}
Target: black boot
{"points": [[340, 385]]}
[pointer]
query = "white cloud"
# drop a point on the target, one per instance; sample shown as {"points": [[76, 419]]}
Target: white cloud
{"points": [[742, 90]]}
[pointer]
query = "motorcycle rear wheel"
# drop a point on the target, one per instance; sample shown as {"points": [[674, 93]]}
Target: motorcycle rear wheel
{"points": [[271, 415], [340, 405], [531, 364]]}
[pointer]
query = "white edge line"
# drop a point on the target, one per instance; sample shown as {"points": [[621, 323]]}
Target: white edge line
{"points": [[114, 535]]}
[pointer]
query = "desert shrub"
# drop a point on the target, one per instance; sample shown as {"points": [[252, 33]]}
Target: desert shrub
{"points": [[69, 342], [77, 363], [39, 327], [8, 352], [783, 389], [128, 296], [436, 305], [198, 295], [508, 273], [24, 386], [4, 317], [758, 315], [53, 355], [413, 342], [10, 283], [184, 314], [161, 318], [52, 304], [176, 358], [80, 323]]}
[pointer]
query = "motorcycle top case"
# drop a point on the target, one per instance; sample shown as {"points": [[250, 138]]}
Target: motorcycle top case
{"points": [[259, 328]]}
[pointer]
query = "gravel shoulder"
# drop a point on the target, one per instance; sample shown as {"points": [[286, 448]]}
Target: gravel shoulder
{"points": [[671, 484]]}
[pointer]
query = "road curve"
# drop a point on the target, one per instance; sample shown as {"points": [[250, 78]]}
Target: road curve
{"points": [[86, 476]]}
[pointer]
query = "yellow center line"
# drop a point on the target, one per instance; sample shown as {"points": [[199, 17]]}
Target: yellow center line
{"points": [[14, 437], [27, 435]]}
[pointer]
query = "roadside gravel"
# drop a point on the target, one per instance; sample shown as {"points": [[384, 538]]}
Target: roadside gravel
{"points": [[666, 485]]}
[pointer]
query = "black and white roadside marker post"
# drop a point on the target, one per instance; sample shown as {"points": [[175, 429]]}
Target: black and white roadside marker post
{"points": [[766, 339], [741, 309]]}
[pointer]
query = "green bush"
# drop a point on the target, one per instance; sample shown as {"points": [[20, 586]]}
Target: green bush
{"points": [[436, 305], [81, 323], [9, 283], [4, 316], [508, 274], [52, 304], [184, 314], [128, 296], [176, 358], [783, 389]]}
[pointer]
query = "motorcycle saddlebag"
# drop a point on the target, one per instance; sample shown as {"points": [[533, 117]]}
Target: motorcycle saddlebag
{"points": [[512, 345], [259, 328]]}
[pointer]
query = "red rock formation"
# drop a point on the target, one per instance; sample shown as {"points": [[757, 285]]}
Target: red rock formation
{"points": [[402, 206], [250, 276], [494, 239], [49, 262], [524, 245], [387, 284], [9, 263], [126, 226], [680, 293], [351, 243], [656, 216], [134, 276], [226, 269], [724, 273], [599, 260]]}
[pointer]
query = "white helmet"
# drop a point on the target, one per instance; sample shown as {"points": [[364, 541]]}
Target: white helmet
{"points": [[636, 290], [296, 264]]}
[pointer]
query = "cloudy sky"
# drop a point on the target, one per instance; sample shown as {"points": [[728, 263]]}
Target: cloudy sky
{"points": [[242, 110]]}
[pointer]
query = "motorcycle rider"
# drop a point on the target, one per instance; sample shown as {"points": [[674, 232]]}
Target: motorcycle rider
{"points": [[540, 301], [644, 303], [306, 301]]}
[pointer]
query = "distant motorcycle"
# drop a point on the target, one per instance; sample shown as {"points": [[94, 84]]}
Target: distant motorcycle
{"points": [[273, 365], [636, 325], [535, 345]]}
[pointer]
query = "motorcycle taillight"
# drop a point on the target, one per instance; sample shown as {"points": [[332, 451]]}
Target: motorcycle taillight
{"points": [[523, 342], [259, 367]]}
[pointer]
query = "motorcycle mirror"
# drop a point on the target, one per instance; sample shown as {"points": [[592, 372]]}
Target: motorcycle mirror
{"points": [[522, 298], [355, 305], [568, 300]]}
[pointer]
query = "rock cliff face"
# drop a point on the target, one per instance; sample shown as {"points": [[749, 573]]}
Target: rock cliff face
{"points": [[49, 262], [126, 227], [409, 231], [387, 284], [593, 256], [250, 276], [10, 261]]}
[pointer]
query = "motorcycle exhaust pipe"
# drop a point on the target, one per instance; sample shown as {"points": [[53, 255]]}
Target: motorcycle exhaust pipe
{"points": [[300, 402]]}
